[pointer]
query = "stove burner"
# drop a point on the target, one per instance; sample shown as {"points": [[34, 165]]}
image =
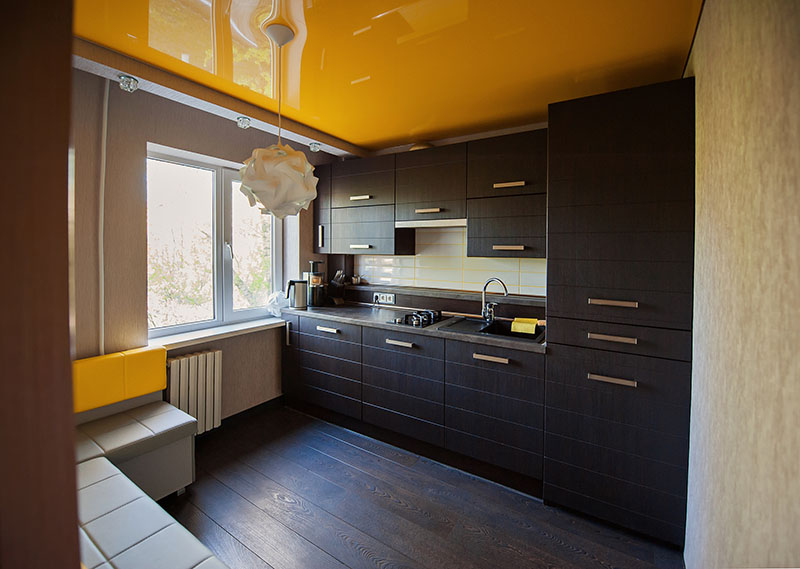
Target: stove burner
{"points": [[419, 318]]}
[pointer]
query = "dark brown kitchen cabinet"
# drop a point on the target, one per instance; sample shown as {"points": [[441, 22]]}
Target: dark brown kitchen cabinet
{"points": [[322, 209], [507, 165], [619, 306], [323, 364], [363, 182], [431, 183], [368, 230], [512, 226], [494, 405]]}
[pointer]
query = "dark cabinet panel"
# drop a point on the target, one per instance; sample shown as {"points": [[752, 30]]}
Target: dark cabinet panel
{"points": [[329, 382], [402, 382], [511, 361], [641, 340], [329, 364], [368, 230], [507, 165], [662, 217], [431, 183], [504, 432], [513, 226], [330, 329], [329, 400], [363, 182], [533, 247], [432, 433], [322, 209], [428, 368], [405, 404], [493, 452], [329, 346], [672, 246], [399, 342], [522, 387], [495, 406], [622, 275]]}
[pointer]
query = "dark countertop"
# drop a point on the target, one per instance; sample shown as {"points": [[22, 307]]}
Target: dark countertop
{"points": [[511, 299], [379, 317]]}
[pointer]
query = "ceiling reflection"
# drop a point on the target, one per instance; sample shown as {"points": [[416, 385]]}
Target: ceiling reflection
{"points": [[383, 72]]}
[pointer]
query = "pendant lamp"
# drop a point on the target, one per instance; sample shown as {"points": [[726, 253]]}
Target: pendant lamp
{"points": [[278, 179]]}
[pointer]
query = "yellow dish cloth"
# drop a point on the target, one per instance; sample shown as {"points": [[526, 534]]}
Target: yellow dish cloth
{"points": [[524, 325]]}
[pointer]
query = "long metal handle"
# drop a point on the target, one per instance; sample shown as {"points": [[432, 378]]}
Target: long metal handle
{"points": [[359, 198], [614, 380], [428, 210], [288, 334], [328, 330], [399, 343], [493, 359], [500, 185], [620, 303], [320, 236], [609, 338], [360, 246], [508, 247]]}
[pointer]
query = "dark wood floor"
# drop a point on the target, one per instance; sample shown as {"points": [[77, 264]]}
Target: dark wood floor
{"points": [[281, 489]]}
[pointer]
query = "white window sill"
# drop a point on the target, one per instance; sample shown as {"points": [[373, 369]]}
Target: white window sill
{"points": [[176, 341]]}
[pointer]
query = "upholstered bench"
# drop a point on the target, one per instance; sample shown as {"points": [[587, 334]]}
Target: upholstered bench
{"points": [[122, 528]]}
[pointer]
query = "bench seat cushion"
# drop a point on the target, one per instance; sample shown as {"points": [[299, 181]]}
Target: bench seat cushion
{"points": [[122, 526], [134, 432]]}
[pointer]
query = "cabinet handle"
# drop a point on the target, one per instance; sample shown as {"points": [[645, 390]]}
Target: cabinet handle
{"points": [[359, 198], [493, 359], [328, 330], [508, 247], [501, 185], [428, 210], [360, 246], [608, 338], [614, 380], [399, 343], [320, 236], [619, 303], [288, 334]]}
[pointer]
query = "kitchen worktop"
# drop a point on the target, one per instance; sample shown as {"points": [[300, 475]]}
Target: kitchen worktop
{"points": [[381, 317]]}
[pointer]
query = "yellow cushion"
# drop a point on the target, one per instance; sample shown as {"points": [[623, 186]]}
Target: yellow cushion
{"points": [[145, 371], [98, 381]]}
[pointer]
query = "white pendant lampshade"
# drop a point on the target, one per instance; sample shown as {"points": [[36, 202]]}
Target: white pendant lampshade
{"points": [[279, 180]]}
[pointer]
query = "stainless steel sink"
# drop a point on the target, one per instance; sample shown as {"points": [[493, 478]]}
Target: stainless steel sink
{"points": [[496, 328]]}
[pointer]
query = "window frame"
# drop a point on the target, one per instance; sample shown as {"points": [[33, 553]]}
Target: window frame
{"points": [[225, 173]]}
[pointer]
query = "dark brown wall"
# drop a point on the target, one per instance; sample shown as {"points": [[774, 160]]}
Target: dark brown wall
{"points": [[38, 517]]}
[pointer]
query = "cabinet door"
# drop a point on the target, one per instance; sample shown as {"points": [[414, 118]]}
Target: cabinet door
{"points": [[369, 231], [363, 182], [507, 165], [512, 226], [322, 210], [432, 183]]}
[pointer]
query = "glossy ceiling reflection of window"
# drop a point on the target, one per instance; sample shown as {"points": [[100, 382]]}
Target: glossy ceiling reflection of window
{"points": [[183, 29], [252, 51]]}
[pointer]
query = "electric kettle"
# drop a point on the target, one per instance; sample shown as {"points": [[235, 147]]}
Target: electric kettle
{"points": [[297, 297]]}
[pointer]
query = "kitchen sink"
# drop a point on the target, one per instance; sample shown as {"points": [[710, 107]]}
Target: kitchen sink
{"points": [[496, 328]]}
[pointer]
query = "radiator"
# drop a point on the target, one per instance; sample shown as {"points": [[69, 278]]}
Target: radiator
{"points": [[195, 386]]}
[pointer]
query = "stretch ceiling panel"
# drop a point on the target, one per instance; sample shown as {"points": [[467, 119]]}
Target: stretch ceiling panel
{"points": [[380, 73]]}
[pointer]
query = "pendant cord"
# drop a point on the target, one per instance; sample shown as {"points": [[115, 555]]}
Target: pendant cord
{"points": [[280, 94]]}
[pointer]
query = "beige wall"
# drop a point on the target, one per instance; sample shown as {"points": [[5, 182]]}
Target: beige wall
{"points": [[133, 120], [744, 469]]}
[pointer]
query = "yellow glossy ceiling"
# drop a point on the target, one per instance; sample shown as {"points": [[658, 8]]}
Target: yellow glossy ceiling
{"points": [[380, 73]]}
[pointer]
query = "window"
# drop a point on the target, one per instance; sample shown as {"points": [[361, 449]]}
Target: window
{"points": [[211, 258]]}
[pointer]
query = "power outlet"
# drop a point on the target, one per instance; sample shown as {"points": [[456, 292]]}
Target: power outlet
{"points": [[383, 298]]}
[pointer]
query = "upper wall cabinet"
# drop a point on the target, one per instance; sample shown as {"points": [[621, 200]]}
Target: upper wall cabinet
{"points": [[363, 182], [322, 209], [431, 183], [507, 165]]}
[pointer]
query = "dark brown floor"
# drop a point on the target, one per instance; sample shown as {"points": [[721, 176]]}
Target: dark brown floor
{"points": [[281, 489]]}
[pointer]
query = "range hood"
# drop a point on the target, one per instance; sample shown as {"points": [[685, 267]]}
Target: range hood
{"points": [[431, 223]]}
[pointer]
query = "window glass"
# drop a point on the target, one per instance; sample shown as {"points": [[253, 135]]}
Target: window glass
{"points": [[251, 244], [180, 243], [182, 29]]}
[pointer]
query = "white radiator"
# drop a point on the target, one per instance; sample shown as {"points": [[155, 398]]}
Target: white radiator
{"points": [[195, 386]]}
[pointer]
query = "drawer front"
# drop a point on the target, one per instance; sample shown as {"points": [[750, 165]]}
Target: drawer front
{"points": [[509, 206], [358, 166], [362, 231], [445, 181], [364, 246], [404, 424], [438, 155], [535, 247], [428, 368], [673, 246], [405, 404], [399, 342], [660, 276], [330, 329], [507, 227], [645, 472], [522, 387], [425, 210], [402, 382], [624, 338], [329, 400], [645, 308], [632, 497], [348, 216], [507, 165], [492, 452], [622, 218], [508, 360], [503, 432], [329, 364], [614, 436], [495, 406], [360, 190], [332, 383], [329, 347]]}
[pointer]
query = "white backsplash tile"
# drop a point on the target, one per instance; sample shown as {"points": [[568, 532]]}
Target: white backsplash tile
{"points": [[441, 262]]}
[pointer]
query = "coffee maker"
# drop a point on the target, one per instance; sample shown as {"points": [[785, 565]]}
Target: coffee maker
{"points": [[316, 284]]}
